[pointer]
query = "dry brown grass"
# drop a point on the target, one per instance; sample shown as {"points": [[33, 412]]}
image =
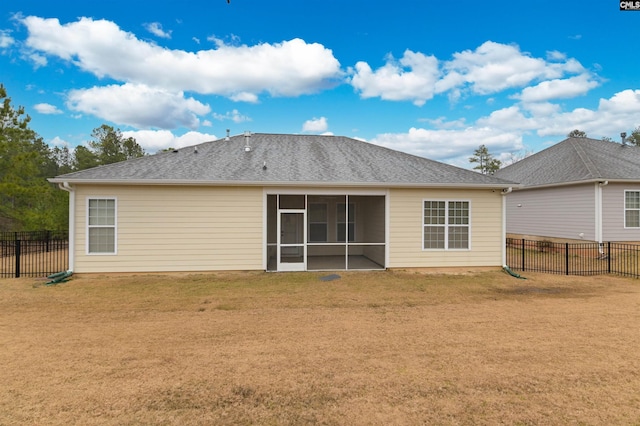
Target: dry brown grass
{"points": [[367, 349]]}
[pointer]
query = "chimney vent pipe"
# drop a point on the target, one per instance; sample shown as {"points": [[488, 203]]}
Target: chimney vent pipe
{"points": [[247, 135]]}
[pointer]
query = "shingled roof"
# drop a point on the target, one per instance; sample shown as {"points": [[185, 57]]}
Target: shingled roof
{"points": [[576, 160], [284, 160]]}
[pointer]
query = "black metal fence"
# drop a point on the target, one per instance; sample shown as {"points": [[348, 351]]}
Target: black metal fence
{"points": [[33, 254], [573, 258], [42, 253]]}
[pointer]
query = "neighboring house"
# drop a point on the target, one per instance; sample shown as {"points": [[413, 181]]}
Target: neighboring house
{"points": [[580, 188], [282, 203]]}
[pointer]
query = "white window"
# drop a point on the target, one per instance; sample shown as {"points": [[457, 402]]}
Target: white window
{"points": [[101, 226], [446, 225], [346, 221], [632, 209], [317, 223]]}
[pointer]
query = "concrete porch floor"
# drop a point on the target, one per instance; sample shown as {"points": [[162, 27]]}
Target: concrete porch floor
{"points": [[334, 263]]}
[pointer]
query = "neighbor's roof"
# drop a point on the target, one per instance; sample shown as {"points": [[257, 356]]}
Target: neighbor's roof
{"points": [[284, 160], [576, 160]]}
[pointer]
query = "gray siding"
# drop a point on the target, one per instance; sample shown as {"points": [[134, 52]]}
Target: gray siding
{"points": [[559, 212], [613, 213]]}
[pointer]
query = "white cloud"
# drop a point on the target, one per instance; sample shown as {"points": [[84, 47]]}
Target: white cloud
{"points": [[57, 141], [494, 67], [558, 89], [289, 68], [554, 55], [491, 68], [443, 123], [37, 59], [614, 115], [450, 146], [5, 39], [316, 125], [541, 109], [47, 109], [155, 28], [156, 140], [508, 119], [233, 115], [251, 98], [502, 131], [625, 102], [138, 105], [411, 78]]}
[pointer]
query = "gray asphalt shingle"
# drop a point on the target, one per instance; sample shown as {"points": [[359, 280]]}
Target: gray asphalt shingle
{"points": [[575, 160], [276, 158]]}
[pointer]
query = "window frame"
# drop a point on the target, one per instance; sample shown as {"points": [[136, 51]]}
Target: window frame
{"points": [[628, 209], [447, 226], [88, 226]]}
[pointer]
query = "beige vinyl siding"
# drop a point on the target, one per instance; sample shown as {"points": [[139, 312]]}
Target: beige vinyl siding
{"points": [[406, 229], [613, 213], [176, 229], [557, 212]]}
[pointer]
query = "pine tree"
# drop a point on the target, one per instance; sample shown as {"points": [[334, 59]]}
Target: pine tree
{"points": [[487, 165], [108, 146], [27, 200]]}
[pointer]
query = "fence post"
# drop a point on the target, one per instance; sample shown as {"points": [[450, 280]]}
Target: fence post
{"points": [[608, 257], [17, 242], [566, 257], [522, 255]]}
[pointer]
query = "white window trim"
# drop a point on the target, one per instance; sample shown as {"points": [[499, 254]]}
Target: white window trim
{"points": [[625, 209], [114, 226], [446, 225]]}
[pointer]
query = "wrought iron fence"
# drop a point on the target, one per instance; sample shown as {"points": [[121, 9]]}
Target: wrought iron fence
{"points": [[573, 258], [33, 254], [41, 253]]}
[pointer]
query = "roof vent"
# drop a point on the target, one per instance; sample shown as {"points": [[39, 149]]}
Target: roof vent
{"points": [[227, 138], [247, 135], [623, 135], [195, 149]]}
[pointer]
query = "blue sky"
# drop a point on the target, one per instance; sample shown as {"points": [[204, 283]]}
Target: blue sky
{"points": [[432, 78]]}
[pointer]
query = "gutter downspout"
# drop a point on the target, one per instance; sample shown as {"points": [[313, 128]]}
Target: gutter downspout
{"points": [[599, 213], [504, 225], [72, 222]]}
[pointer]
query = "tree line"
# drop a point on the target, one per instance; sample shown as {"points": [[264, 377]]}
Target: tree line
{"points": [[28, 201]]}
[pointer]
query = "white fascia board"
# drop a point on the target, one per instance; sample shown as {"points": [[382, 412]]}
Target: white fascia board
{"points": [[170, 182], [578, 182]]}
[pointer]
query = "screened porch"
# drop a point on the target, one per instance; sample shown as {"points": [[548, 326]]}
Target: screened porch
{"points": [[325, 232]]}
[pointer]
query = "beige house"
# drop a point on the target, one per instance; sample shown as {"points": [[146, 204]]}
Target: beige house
{"points": [[283, 203]]}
